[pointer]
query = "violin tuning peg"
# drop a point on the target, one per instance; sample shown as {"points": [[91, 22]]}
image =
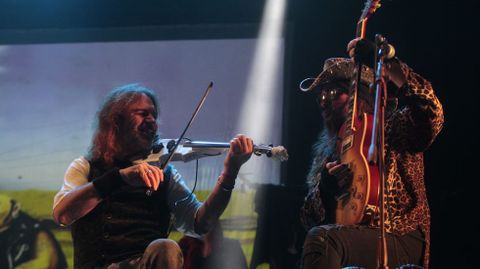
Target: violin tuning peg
{"points": [[170, 145], [157, 148]]}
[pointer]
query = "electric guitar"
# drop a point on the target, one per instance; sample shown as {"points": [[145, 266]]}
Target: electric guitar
{"points": [[353, 149]]}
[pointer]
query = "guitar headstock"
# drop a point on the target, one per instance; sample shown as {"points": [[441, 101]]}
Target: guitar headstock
{"points": [[370, 7]]}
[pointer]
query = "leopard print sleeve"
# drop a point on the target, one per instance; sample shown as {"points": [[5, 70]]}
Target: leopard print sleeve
{"points": [[414, 126], [312, 212]]}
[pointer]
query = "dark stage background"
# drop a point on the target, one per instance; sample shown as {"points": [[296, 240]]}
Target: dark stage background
{"points": [[436, 38]]}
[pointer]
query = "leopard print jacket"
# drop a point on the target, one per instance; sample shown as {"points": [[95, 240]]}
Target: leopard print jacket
{"points": [[409, 131]]}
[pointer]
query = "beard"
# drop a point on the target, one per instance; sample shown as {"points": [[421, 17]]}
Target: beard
{"points": [[147, 132], [138, 140], [333, 119]]}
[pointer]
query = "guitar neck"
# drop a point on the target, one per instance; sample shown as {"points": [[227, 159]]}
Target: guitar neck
{"points": [[353, 91], [361, 28]]}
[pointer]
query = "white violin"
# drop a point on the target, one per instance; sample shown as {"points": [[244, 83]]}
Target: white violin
{"points": [[193, 150]]}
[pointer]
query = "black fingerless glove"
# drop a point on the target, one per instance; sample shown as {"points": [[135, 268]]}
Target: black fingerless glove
{"points": [[365, 52], [329, 182], [108, 182], [331, 185]]}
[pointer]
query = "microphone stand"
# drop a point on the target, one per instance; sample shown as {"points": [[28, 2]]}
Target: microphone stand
{"points": [[377, 146]]}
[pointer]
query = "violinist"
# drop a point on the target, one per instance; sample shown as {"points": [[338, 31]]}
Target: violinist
{"points": [[414, 117], [114, 223]]}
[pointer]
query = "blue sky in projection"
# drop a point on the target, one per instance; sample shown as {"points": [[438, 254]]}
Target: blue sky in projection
{"points": [[50, 93]]}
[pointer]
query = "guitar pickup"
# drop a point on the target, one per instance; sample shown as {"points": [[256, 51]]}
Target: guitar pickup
{"points": [[347, 143]]}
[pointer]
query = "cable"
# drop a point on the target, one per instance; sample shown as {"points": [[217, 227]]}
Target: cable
{"points": [[194, 186]]}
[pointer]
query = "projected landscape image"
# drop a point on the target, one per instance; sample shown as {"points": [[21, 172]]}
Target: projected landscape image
{"points": [[50, 93]]}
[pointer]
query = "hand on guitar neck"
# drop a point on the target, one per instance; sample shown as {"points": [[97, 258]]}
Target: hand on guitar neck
{"points": [[363, 51]]}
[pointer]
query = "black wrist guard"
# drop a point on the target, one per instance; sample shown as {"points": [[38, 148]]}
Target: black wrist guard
{"points": [[365, 52], [108, 182]]}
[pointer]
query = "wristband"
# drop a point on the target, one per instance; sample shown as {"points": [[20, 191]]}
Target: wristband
{"points": [[222, 185], [108, 182]]}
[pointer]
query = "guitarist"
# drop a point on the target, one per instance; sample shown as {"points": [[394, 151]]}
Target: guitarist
{"points": [[414, 117]]}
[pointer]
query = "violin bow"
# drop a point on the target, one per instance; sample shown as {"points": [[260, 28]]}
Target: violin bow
{"points": [[172, 150]]}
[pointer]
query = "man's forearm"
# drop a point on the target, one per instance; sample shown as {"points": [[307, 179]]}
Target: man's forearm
{"points": [[215, 204], [76, 204]]}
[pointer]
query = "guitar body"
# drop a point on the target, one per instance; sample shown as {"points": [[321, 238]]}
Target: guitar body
{"points": [[353, 149], [354, 140]]}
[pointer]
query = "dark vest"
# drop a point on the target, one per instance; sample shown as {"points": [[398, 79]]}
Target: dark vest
{"points": [[122, 225]]}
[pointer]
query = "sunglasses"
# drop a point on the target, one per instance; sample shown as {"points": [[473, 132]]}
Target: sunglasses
{"points": [[329, 95]]}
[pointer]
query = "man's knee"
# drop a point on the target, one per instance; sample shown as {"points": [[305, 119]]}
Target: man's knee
{"points": [[319, 249], [164, 253], [315, 240], [164, 246]]}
